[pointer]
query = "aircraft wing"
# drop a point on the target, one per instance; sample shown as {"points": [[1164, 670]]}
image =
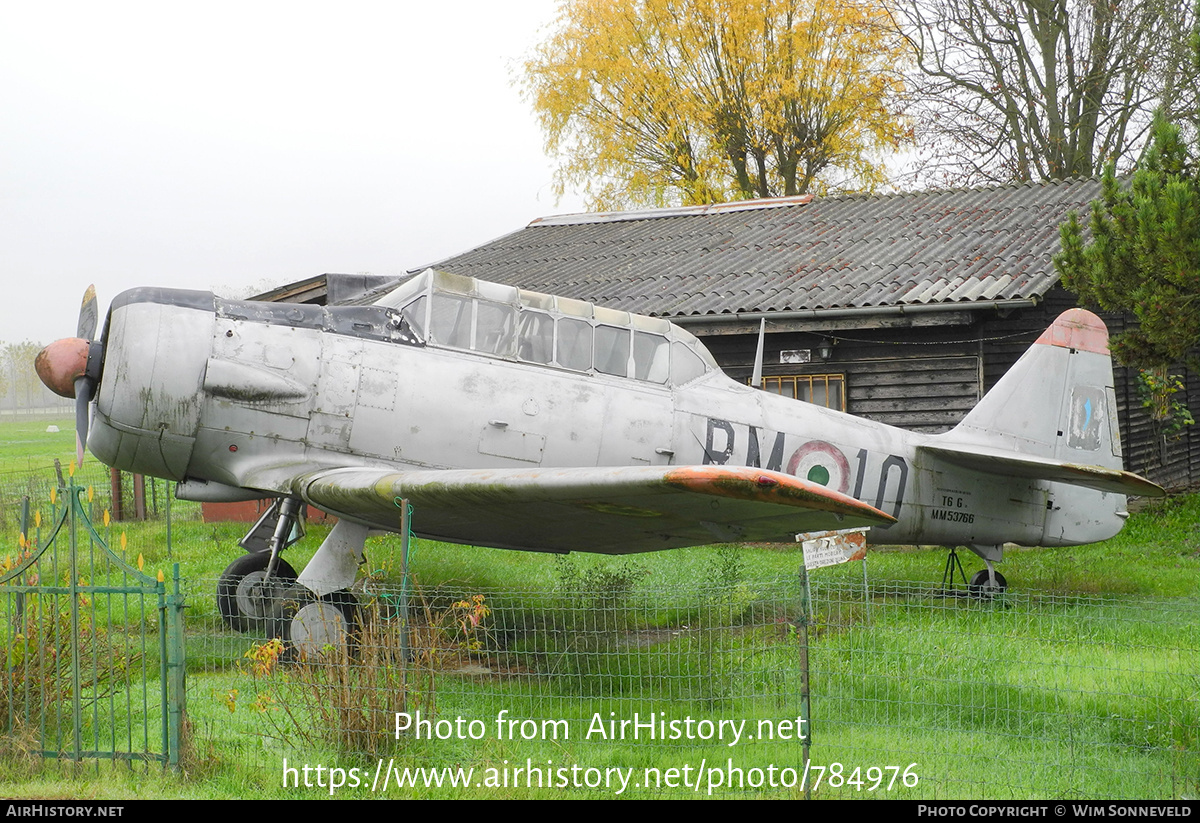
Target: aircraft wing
{"points": [[610, 510], [998, 461]]}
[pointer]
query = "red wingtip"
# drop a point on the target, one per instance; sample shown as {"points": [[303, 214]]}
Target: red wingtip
{"points": [[1077, 329]]}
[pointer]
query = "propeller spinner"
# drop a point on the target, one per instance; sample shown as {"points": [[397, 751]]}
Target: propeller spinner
{"points": [[71, 367]]}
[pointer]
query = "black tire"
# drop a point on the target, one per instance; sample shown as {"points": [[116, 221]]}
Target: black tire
{"points": [[234, 595], [322, 627], [980, 586]]}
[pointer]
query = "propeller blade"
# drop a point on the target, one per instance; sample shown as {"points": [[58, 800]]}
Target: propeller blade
{"points": [[88, 315], [83, 398]]}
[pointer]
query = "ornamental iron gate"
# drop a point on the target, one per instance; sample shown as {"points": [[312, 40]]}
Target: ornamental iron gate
{"points": [[93, 660]]}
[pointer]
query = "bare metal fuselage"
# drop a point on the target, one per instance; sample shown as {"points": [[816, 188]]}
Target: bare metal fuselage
{"points": [[228, 400]]}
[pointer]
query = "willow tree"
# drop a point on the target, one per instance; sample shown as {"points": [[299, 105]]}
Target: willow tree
{"points": [[701, 101]]}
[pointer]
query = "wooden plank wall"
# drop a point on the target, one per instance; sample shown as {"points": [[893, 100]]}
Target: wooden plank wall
{"points": [[1006, 337], [921, 379], [1175, 463]]}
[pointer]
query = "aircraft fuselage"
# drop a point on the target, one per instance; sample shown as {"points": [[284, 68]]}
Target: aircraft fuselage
{"points": [[221, 394]]}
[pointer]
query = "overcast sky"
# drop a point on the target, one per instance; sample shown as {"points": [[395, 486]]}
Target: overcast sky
{"points": [[214, 144]]}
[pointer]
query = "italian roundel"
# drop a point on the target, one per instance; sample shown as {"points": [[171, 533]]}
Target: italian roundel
{"points": [[823, 463]]}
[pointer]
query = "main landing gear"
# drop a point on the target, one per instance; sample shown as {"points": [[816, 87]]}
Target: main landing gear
{"points": [[985, 583], [248, 598], [314, 613]]}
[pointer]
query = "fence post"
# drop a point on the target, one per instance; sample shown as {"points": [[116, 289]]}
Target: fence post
{"points": [[167, 505], [114, 479], [805, 709], [73, 505], [404, 527], [177, 669]]}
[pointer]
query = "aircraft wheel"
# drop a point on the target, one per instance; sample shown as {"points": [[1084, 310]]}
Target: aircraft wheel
{"points": [[980, 586], [243, 600], [321, 627]]}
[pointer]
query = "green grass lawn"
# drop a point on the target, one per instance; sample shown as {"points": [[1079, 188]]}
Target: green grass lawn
{"points": [[25, 444], [1081, 682]]}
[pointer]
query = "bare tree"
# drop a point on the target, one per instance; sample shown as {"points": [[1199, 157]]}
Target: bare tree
{"points": [[6, 374], [25, 385], [1023, 90]]}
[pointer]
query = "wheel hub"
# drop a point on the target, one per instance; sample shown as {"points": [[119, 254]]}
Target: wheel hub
{"points": [[252, 595], [319, 628]]}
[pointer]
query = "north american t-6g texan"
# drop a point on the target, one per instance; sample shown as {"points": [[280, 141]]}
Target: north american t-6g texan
{"points": [[527, 421]]}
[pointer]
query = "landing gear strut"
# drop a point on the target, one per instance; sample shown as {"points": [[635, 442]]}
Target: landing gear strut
{"points": [[253, 588], [313, 612], [985, 583]]}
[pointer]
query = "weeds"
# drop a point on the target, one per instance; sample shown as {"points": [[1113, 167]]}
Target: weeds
{"points": [[725, 597], [347, 698], [45, 673], [598, 588], [593, 611]]}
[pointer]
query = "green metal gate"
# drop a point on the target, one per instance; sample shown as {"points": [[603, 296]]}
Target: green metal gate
{"points": [[93, 661]]}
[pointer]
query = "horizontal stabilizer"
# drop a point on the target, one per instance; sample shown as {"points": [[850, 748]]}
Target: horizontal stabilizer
{"points": [[1012, 464], [610, 510]]}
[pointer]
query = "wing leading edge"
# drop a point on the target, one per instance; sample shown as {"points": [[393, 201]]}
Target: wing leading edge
{"points": [[609, 510]]}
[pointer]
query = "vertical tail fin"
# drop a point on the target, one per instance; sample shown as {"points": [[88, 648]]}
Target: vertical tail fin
{"points": [[1053, 418], [1056, 402]]}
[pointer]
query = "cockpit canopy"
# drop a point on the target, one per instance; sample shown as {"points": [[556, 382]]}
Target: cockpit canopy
{"points": [[457, 312]]}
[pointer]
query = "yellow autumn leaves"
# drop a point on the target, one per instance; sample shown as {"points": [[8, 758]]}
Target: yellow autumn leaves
{"points": [[656, 102]]}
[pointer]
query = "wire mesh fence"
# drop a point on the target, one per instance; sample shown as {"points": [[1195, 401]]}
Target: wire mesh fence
{"points": [[616, 687], [1032, 694], [38, 484], [599, 682]]}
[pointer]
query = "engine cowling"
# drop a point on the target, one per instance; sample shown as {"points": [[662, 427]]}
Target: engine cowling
{"points": [[157, 343]]}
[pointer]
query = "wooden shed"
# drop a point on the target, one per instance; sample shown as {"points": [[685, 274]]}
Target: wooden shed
{"points": [[902, 308]]}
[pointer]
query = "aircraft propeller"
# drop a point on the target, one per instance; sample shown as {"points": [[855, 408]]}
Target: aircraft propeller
{"points": [[71, 367]]}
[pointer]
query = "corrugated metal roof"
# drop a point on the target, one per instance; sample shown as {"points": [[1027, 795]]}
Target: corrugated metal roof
{"points": [[795, 253]]}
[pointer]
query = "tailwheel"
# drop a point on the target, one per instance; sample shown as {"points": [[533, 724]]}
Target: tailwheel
{"points": [[981, 586], [322, 626], [246, 599]]}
